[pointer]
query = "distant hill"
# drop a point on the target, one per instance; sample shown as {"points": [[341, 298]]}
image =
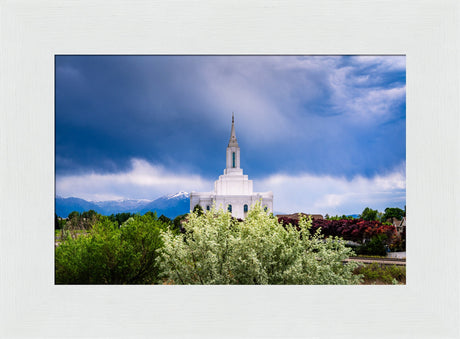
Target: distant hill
{"points": [[170, 205], [66, 205]]}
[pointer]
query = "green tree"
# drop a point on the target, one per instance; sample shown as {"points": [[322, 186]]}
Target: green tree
{"points": [[393, 212], [59, 223], [165, 220], [343, 217], [120, 218], [217, 249], [109, 254], [369, 214], [178, 221], [80, 221], [73, 215], [152, 214], [198, 209], [89, 214]]}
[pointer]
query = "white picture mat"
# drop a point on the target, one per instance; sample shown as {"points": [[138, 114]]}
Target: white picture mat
{"points": [[32, 32]]}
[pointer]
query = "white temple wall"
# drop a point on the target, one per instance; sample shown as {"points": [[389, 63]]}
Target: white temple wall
{"points": [[203, 199], [233, 185]]}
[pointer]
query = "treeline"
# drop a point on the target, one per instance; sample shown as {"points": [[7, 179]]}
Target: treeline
{"points": [[369, 214], [84, 220]]}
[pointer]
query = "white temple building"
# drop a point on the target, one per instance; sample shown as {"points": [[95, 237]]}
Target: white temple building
{"points": [[233, 191]]}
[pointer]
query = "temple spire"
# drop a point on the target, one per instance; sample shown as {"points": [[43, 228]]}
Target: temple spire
{"points": [[233, 153], [233, 142]]}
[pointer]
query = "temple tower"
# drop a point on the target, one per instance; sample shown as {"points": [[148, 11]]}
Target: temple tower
{"points": [[233, 191]]}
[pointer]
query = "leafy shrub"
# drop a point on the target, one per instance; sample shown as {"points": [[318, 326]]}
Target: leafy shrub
{"points": [[217, 249], [164, 219], [399, 243], [376, 246], [376, 273], [109, 254]]}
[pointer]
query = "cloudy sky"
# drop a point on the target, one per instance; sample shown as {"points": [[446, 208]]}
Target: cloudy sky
{"points": [[326, 134]]}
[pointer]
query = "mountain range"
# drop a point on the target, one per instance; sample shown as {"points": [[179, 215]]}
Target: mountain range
{"points": [[170, 205]]}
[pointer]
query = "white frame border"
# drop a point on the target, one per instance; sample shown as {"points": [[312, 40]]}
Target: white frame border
{"points": [[33, 32]]}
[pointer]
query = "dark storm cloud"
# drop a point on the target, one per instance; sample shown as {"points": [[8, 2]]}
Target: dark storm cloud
{"points": [[110, 109]]}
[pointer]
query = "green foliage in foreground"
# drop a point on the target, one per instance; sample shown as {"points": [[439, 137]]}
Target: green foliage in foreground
{"points": [[217, 249], [381, 274], [109, 254]]}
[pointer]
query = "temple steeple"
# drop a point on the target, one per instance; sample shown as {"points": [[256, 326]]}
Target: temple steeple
{"points": [[233, 153], [233, 142]]}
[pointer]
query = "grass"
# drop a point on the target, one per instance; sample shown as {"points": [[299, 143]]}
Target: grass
{"points": [[378, 274]]}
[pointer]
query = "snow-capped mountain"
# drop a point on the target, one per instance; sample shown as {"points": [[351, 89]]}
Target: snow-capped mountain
{"points": [[170, 205], [178, 195]]}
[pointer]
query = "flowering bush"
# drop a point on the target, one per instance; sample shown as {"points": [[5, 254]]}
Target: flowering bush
{"points": [[216, 249], [349, 229]]}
